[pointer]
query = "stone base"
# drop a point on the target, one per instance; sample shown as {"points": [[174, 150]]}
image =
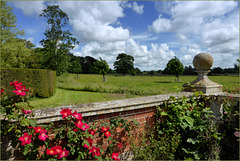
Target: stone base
{"points": [[202, 83], [216, 88]]}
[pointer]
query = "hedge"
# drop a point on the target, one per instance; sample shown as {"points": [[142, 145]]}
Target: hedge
{"points": [[41, 81]]}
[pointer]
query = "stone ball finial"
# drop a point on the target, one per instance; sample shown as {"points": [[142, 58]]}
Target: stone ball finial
{"points": [[203, 61]]}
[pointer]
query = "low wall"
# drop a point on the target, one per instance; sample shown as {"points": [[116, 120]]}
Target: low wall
{"points": [[141, 109]]}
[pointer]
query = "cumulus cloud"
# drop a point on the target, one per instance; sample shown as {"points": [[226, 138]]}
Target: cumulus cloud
{"points": [[91, 21], [217, 31], [164, 7], [187, 53], [160, 25], [153, 58], [138, 9], [135, 7], [188, 17], [30, 7]]}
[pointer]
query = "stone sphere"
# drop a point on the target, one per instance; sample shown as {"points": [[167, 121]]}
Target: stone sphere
{"points": [[203, 61]]}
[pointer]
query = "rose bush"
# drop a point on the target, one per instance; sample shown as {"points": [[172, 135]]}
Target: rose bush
{"points": [[71, 138]]}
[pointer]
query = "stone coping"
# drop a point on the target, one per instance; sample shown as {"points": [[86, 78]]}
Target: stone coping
{"points": [[92, 109], [47, 115]]}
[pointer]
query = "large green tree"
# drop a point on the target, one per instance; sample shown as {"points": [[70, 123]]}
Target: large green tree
{"points": [[124, 63], [175, 67], [88, 64], [15, 52], [8, 23], [58, 41], [102, 68]]}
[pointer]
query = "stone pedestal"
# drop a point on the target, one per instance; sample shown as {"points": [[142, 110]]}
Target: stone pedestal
{"points": [[202, 62], [202, 83]]}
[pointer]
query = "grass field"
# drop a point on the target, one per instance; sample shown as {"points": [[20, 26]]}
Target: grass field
{"points": [[91, 88]]}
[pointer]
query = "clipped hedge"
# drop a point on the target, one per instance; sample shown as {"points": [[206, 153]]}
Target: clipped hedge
{"points": [[41, 81]]}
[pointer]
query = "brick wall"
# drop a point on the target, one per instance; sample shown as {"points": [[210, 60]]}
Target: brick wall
{"points": [[144, 116]]}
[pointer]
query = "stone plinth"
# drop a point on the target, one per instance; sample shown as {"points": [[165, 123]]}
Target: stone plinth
{"points": [[202, 62]]}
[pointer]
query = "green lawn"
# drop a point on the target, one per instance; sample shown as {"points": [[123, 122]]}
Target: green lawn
{"points": [[91, 88]]}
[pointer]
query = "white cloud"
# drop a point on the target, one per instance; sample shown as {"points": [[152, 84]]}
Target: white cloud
{"points": [[138, 9], [145, 37], [164, 7], [135, 7], [160, 25], [30, 7], [214, 24], [92, 21], [187, 53], [154, 58]]}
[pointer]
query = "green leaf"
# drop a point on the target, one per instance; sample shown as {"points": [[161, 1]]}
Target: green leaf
{"points": [[10, 128], [189, 120], [190, 140], [25, 122], [26, 149], [164, 113], [33, 123], [160, 132]]}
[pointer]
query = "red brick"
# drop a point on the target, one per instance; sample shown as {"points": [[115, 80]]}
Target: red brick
{"points": [[129, 117], [93, 118], [141, 115], [115, 114], [101, 117], [140, 110], [123, 113], [109, 115], [141, 120], [130, 112], [150, 113], [142, 124]]}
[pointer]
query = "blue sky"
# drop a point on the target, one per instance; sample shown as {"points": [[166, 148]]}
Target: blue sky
{"points": [[152, 32]]}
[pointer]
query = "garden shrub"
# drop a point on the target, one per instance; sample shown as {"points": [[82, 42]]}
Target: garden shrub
{"points": [[41, 81], [183, 130]]}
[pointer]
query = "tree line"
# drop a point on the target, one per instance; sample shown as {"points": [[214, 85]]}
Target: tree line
{"points": [[57, 44]]}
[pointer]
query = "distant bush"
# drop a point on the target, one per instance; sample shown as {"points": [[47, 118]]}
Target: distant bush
{"points": [[41, 81]]}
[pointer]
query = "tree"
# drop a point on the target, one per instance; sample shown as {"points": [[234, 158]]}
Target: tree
{"points": [[175, 67], [188, 70], [138, 71], [217, 70], [58, 42], [75, 67], [88, 64], [102, 68], [152, 72], [7, 24], [16, 54], [124, 63]]}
